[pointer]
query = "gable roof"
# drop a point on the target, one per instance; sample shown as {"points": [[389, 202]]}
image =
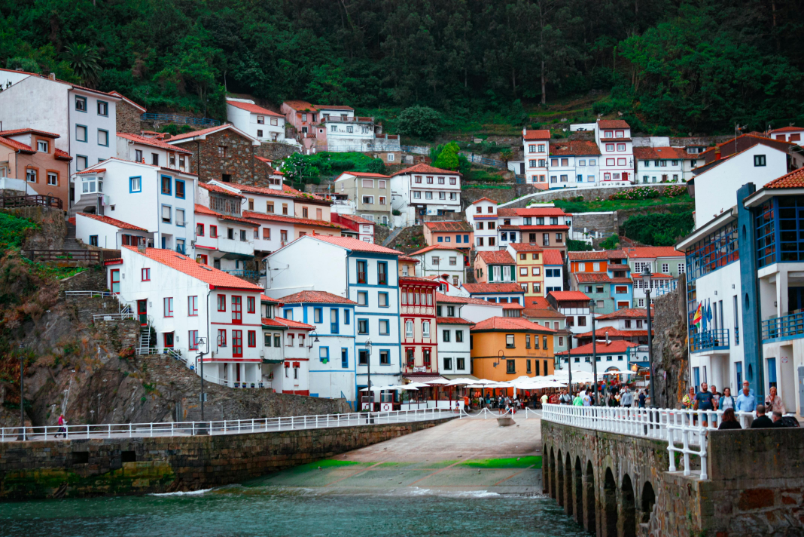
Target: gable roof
{"points": [[603, 331], [452, 320], [253, 108], [300, 105], [363, 174], [220, 190], [129, 101], [448, 299], [200, 209], [497, 257], [455, 225], [291, 220], [112, 221], [485, 199], [538, 134], [568, 295], [574, 148], [15, 132], [613, 124], [596, 254], [794, 179], [791, 128], [552, 257], [14, 144], [493, 324], [436, 247], [532, 211], [652, 251], [188, 136], [424, 168], [355, 245], [153, 142], [660, 153], [734, 145], [209, 275], [315, 297], [525, 247], [495, 288], [357, 219], [625, 313], [296, 325]]}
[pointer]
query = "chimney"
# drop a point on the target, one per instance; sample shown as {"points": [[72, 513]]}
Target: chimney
{"points": [[52, 76], [607, 337], [167, 136], [141, 246], [717, 153]]}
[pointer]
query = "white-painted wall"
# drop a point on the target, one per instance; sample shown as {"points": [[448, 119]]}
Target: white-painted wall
{"points": [[454, 349], [427, 266], [247, 122], [474, 217], [617, 156], [8, 78], [109, 236], [38, 103], [127, 150], [94, 123]]}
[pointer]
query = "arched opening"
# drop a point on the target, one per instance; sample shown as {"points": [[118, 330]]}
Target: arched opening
{"points": [[578, 492], [629, 508], [553, 474], [610, 504], [570, 503], [589, 499], [648, 501], [560, 484], [546, 468]]}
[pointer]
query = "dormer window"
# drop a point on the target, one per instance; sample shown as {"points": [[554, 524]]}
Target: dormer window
{"points": [[618, 134], [42, 146]]}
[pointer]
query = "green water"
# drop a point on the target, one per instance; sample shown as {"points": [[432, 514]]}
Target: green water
{"points": [[280, 511]]}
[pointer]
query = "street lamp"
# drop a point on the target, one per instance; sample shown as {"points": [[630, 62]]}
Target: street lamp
{"points": [[202, 341], [22, 394], [646, 280], [594, 348], [368, 364]]}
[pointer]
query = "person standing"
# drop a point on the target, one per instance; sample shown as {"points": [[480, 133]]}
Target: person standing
{"points": [[746, 402], [642, 398], [544, 399], [703, 401], [774, 403], [715, 396], [565, 398], [726, 401], [62, 429], [578, 401], [627, 399]]}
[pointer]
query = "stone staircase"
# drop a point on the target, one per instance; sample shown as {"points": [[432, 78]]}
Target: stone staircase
{"points": [[70, 242]]}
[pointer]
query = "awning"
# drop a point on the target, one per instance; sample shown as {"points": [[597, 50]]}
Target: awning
{"points": [[272, 360], [413, 377], [233, 255], [454, 377]]}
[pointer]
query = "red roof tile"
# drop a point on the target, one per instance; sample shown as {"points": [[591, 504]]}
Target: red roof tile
{"points": [[568, 295], [129, 101], [787, 129], [316, 297], [509, 323], [203, 132], [532, 211], [452, 320], [112, 221], [659, 153], [153, 142], [552, 257], [300, 105], [488, 288], [592, 277], [364, 174], [534, 228], [613, 124], [62, 155], [652, 251], [458, 225], [17, 132], [497, 257], [266, 298], [273, 323], [424, 169], [574, 147], [355, 245], [333, 107], [596, 255], [447, 299], [91, 171], [617, 346], [14, 144], [539, 134], [538, 302], [357, 219], [542, 313], [291, 220], [408, 259], [220, 190], [625, 313], [190, 267], [200, 209], [416, 280], [794, 179], [295, 325], [512, 306], [253, 108], [602, 331], [525, 247]]}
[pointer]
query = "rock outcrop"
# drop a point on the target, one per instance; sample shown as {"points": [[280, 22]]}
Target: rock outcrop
{"points": [[670, 350]]}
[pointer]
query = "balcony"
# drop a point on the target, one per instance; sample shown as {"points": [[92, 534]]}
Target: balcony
{"points": [[245, 274], [783, 328], [234, 246], [711, 340]]}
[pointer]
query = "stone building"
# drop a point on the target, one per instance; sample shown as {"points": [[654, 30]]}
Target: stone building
{"points": [[223, 153], [128, 114]]}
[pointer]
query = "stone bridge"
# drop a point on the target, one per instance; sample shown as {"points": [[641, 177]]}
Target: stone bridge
{"points": [[619, 485]]}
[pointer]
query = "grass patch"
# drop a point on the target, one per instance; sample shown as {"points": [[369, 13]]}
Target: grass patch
{"points": [[619, 205], [465, 186], [12, 230], [327, 463], [511, 462]]}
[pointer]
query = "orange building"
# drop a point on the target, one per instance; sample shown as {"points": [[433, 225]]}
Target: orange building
{"points": [[595, 261], [31, 156], [506, 348]]}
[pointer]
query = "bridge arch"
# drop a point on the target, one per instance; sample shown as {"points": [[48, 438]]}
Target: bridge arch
{"points": [[628, 508], [578, 491], [589, 498], [560, 480], [647, 503], [569, 504], [609, 504], [553, 474]]}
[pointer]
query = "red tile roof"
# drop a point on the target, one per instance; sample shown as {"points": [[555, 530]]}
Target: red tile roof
{"points": [[221, 190], [273, 323], [415, 280], [538, 302], [300, 105], [487, 288], [787, 129], [756, 139], [794, 179], [90, 171], [447, 299], [617, 346], [552, 257], [613, 124], [568, 295], [659, 153], [203, 132], [364, 174], [525, 247], [590, 255], [17, 132], [408, 259], [153, 142], [129, 101], [535, 228], [592, 277], [200, 209], [209, 275], [266, 298], [574, 147], [356, 245], [316, 297], [357, 219], [484, 199], [13, 144], [542, 313], [112, 221], [291, 220], [652, 251], [512, 306], [253, 108], [452, 320], [458, 225], [295, 325], [539, 134], [602, 331], [508, 324], [532, 211], [424, 169], [333, 107], [625, 313], [497, 257], [62, 155]]}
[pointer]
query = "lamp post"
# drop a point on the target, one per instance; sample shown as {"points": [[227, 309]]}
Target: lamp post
{"points": [[646, 280], [22, 394], [594, 349], [368, 364], [199, 342]]}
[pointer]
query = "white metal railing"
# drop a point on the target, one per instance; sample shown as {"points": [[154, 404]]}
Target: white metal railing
{"points": [[675, 426], [101, 294], [112, 316], [261, 425]]}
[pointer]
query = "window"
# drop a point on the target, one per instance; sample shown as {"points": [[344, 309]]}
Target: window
{"points": [[408, 328], [361, 272], [252, 338], [179, 189], [103, 137], [221, 338], [81, 133], [384, 327], [759, 160], [383, 300], [166, 214], [509, 341], [31, 174], [192, 306], [426, 329], [222, 151], [237, 309], [510, 367], [237, 343], [362, 298], [146, 275], [382, 273], [221, 302], [362, 326], [536, 271], [251, 302], [180, 217], [318, 315], [167, 305], [93, 240]]}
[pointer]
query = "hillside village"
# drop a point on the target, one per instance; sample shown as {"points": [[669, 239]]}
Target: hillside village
{"points": [[233, 266]]}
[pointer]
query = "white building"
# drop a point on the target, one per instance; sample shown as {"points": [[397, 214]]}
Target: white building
{"points": [[553, 271], [366, 274], [794, 135], [291, 374], [149, 197], [422, 190], [516, 225], [536, 150], [110, 233], [715, 182], [330, 342], [85, 119], [474, 310], [443, 261], [574, 164], [482, 216], [610, 355], [663, 164], [151, 150], [665, 263], [613, 137], [184, 301], [224, 239], [575, 307], [256, 121], [454, 341]]}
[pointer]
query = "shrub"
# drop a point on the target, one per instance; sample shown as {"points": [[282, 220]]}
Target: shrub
{"points": [[611, 243], [658, 229], [419, 121], [578, 246]]}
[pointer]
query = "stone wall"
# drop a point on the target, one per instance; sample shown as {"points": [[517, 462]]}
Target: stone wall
{"points": [[128, 118], [80, 468], [604, 222], [52, 227], [276, 150], [208, 164], [588, 194], [670, 350]]}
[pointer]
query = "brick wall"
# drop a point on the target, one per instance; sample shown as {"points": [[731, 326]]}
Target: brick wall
{"points": [[208, 164], [128, 118], [81, 468]]}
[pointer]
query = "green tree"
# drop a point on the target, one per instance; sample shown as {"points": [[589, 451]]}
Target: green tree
{"points": [[299, 170], [85, 62], [25, 64], [419, 121], [448, 157]]}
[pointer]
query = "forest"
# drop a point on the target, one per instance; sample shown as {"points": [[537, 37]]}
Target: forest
{"points": [[670, 66]]}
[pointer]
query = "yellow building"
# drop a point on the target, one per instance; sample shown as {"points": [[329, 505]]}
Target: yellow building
{"points": [[529, 261], [506, 348]]}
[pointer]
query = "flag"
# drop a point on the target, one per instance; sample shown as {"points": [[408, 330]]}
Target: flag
{"points": [[697, 317]]}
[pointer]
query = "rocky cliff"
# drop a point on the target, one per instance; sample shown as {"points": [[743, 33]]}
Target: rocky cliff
{"points": [[670, 350]]}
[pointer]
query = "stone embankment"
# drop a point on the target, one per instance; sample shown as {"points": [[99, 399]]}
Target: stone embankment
{"points": [[670, 350]]}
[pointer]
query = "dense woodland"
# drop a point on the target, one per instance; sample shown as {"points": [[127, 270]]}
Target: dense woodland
{"points": [[668, 65]]}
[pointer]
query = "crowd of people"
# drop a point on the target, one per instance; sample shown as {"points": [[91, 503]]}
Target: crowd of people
{"points": [[707, 399], [611, 396]]}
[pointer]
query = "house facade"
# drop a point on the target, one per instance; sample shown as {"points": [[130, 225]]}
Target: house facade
{"points": [[223, 153], [422, 190], [663, 164], [418, 331], [256, 121], [152, 150], [109, 233], [529, 267], [495, 267], [31, 156], [613, 137], [458, 234], [482, 216], [362, 228], [574, 163], [574, 305], [441, 261], [794, 135], [369, 192], [665, 263], [536, 147], [500, 293], [505, 348]]}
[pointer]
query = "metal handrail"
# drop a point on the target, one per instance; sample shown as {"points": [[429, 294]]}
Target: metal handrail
{"points": [[101, 294], [112, 316], [717, 338], [260, 425], [787, 326]]}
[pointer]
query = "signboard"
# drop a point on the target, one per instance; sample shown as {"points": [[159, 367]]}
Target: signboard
{"points": [[420, 369]]}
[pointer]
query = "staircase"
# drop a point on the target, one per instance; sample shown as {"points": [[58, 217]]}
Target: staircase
{"points": [[70, 242], [145, 340], [394, 234]]}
